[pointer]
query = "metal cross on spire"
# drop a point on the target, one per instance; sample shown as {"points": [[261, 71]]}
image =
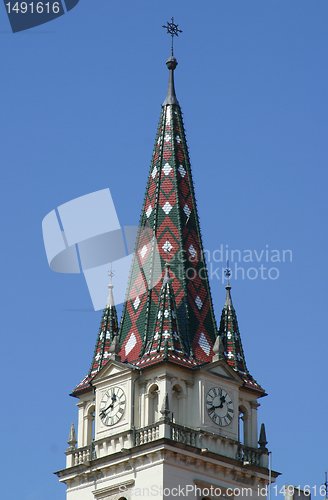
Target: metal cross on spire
{"points": [[172, 29], [111, 272], [227, 272]]}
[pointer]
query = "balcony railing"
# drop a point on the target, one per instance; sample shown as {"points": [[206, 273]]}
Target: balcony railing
{"points": [[246, 454], [183, 434], [84, 455], [147, 434]]}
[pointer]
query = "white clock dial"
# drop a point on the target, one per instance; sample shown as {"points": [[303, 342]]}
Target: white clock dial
{"points": [[112, 406], [219, 406]]}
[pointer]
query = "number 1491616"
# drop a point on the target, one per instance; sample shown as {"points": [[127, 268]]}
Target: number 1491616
{"points": [[298, 491], [33, 7]]}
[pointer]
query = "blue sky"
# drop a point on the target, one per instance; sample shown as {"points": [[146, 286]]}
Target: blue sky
{"points": [[80, 102]]}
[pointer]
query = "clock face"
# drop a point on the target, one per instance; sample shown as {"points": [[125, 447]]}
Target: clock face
{"points": [[219, 406], [112, 406]]}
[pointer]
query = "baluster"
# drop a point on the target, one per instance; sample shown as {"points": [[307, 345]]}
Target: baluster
{"points": [[76, 458], [153, 434], [188, 438], [157, 432], [193, 439]]}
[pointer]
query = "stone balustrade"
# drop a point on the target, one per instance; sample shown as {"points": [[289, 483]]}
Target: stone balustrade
{"points": [[246, 454], [202, 439], [147, 434], [83, 455], [183, 434]]}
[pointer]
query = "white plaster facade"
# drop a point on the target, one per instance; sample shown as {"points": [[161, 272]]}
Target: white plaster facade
{"points": [[156, 448]]}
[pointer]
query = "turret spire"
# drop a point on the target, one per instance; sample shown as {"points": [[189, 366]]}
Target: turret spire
{"points": [[107, 342], [229, 332]]}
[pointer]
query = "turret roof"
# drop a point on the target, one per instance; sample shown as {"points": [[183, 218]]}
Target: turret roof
{"points": [[107, 330], [234, 353]]}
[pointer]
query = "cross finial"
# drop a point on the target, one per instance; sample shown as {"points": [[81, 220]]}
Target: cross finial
{"points": [[227, 273], [172, 29], [111, 272]]}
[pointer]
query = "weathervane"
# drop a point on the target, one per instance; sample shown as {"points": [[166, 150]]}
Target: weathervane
{"points": [[172, 29]]}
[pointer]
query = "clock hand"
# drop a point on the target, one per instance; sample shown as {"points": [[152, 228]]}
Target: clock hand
{"points": [[111, 405], [223, 400]]}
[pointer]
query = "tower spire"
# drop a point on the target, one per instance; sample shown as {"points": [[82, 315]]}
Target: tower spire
{"points": [[170, 212]]}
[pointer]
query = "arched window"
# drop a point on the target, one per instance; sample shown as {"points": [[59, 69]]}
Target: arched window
{"points": [[176, 410], [242, 425], [90, 431], [153, 410]]}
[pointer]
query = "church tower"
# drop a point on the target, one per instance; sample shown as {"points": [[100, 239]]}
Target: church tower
{"points": [[168, 407]]}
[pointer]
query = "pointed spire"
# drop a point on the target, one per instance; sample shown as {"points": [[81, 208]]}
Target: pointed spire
{"points": [[167, 337], [230, 335], [170, 210], [71, 439], [107, 345], [165, 410], [262, 439], [110, 299], [218, 349]]}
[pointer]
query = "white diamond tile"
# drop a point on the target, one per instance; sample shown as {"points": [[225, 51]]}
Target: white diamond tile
{"points": [[166, 313], [143, 251], [192, 251], [167, 247], [182, 171], [202, 342], [136, 302], [167, 168], [154, 172], [167, 138], [187, 210], [178, 139], [167, 208], [199, 303], [149, 211], [130, 344]]}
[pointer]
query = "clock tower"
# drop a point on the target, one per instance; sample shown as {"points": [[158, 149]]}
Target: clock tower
{"points": [[168, 407]]}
